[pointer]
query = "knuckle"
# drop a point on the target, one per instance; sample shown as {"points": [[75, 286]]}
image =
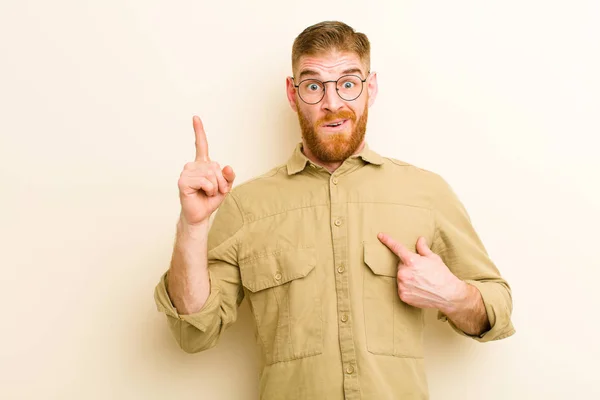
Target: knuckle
{"points": [[215, 172], [204, 173], [403, 275], [211, 176], [402, 295]]}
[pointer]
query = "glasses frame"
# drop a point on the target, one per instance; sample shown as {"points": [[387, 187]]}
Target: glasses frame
{"points": [[362, 88]]}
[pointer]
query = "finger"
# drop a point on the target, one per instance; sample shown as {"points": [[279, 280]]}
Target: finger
{"points": [[210, 175], [422, 247], [223, 184], [208, 187], [229, 175], [201, 142], [200, 183], [406, 256]]}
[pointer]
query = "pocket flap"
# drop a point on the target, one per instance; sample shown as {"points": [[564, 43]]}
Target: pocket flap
{"points": [[380, 259], [270, 270]]}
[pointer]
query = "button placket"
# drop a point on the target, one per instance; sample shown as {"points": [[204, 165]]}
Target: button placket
{"points": [[339, 231]]}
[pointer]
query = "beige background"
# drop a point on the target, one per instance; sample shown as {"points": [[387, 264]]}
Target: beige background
{"points": [[96, 99]]}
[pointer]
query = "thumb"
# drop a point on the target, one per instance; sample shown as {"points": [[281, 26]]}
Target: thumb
{"points": [[422, 247], [228, 174]]}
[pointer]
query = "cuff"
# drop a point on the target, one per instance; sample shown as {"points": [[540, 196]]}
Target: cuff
{"points": [[201, 319], [497, 307]]}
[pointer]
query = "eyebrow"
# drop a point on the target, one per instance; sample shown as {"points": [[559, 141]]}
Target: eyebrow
{"points": [[344, 72]]}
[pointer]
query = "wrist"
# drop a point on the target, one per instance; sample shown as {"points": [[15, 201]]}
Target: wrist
{"points": [[194, 231], [457, 299]]}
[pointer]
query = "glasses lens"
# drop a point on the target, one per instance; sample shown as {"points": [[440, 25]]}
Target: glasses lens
{"points": [[349, 87], [311, 91]]}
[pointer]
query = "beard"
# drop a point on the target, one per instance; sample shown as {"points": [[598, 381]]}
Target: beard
{"points": [[334, 147]]}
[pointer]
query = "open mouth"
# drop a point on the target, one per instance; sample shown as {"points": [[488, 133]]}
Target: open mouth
{"points": [[335, 124]]}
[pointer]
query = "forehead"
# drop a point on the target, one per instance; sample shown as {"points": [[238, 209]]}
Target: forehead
{"points": [[329, 65]]}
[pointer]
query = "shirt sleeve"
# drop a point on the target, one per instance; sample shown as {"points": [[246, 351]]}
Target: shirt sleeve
{"points": [[202, 330], [459, 246]]}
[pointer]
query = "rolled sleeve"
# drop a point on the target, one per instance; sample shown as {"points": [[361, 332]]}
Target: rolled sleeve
{"points": [[461, 249], [494, 296], [200, 320]]}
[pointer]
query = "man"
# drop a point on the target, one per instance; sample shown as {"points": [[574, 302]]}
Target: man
{"points": [[338, 251]]}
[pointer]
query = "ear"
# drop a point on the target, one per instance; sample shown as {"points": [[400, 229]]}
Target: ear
{"points": [[372, 88], [291, 93]]}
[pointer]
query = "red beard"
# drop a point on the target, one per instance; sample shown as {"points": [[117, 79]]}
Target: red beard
{"points": [[334, 147]]}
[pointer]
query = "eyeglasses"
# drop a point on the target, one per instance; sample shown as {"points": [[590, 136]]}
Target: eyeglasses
{"points": [[348, 87]]}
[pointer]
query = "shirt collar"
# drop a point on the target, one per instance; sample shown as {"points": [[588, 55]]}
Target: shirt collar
{"points": [[297, 162]]}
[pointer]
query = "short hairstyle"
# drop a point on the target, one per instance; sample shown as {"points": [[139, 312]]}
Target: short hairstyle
{"points": [[331, 35]]}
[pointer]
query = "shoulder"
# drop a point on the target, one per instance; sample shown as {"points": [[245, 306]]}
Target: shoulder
{"points": [[262, 182], [421, 176], [263, 192]]}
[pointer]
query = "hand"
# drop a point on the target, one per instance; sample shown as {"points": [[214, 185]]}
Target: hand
{"points": [[202, 184], [424, 280]]}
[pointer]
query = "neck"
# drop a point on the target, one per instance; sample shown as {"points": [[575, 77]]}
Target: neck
{"points": [[330, 166]]}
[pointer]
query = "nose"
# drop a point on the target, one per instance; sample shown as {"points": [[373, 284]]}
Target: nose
{"points": [[331, 101]]}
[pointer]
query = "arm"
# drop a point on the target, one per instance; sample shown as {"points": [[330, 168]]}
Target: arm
{"points": [[201, 328], [462, 251], [201, 290], [188, 280], [455, 275], [467, 311]]}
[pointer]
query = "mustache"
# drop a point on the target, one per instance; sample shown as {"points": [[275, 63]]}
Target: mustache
{"points": [[345, 114]]}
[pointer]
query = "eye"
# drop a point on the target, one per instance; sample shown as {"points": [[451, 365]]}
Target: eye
{"points": [[313, 87], [348, 85]]}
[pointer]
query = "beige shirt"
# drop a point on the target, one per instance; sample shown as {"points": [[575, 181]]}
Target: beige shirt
{"points": [[301, 244]]}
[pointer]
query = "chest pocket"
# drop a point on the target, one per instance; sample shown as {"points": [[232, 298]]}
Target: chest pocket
{"points": [[282, 290], [392, 327]]}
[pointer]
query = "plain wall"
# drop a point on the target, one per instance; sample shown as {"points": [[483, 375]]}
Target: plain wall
{"points": [[96, 101]]}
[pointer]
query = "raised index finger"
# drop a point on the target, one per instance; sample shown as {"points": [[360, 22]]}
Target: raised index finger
{"points": [[201, 142]]}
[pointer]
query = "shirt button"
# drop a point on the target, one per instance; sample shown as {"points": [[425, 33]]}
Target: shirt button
{"points": [[349, 369], [335, 181], [344, 319], [278, 276], [337, 222], [341, 269]]}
